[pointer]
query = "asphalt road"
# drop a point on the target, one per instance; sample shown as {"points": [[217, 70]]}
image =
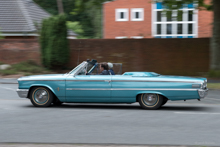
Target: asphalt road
{"points": [[177, 123]]}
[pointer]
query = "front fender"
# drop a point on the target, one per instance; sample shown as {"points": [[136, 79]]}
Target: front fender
{"points": [[42, 85], [58, 92]]}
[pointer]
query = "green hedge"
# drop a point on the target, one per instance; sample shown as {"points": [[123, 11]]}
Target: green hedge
{"points": [[54, 43]]}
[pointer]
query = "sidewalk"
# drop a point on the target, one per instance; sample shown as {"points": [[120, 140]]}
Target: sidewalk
{"points": [[86, 145], [8, 81]]}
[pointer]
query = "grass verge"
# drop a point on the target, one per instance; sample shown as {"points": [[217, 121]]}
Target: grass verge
{"points": [[214, 86], [25, 68], [214, 74]]}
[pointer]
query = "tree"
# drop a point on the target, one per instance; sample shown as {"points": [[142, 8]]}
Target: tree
{"points": [[93, 8], [215, 40], [60, 6], [54, 43], [68, 6], [76, 27]]}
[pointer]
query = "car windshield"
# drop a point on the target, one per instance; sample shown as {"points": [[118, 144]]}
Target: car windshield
{"points": [[75, 69]]}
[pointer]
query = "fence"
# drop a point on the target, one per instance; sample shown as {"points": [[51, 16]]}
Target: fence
{"points": [[165, 56]]}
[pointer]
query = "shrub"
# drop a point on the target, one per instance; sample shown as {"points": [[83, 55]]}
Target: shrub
{"points": [[54, 42], [8, 72], [214, 74]]}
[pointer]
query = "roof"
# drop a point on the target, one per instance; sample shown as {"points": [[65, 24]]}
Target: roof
{"points": [[21, 16], [71, 33]]}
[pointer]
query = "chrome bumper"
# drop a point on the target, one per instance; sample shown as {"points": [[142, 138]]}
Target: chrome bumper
{"points": [[22, 93], [203, 93]]}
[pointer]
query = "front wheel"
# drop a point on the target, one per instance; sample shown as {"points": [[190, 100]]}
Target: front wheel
{"points": [[57, 102], [164, 101], [41, 97], [150, 101]]}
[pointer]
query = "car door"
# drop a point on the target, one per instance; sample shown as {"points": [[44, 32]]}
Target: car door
{"points": [[125, 88], [88, 88]]}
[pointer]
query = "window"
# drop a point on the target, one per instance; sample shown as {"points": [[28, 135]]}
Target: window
{"points": [[121, 37], [137, 37], [137, 14], [182, 23], [121, 14]]}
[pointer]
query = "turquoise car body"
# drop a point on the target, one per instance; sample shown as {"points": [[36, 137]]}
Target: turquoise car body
{"points": [[80, 88]]}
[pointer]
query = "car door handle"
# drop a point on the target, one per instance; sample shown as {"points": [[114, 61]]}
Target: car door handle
{"points": [[108, 81]]}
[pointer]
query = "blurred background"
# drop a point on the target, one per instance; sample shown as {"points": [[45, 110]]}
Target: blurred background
{"points": [[164, 36]]}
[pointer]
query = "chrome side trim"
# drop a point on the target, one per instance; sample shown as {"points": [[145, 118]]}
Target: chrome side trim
{"points": [[147, 89], [22, 93], [112, 81], [155, 81], [196, 85], [72, 80], [42, 80], [131, 81], [88, 80], [88, 88]]}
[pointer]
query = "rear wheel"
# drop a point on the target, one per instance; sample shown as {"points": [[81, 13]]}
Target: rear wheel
{"points": [[150, 101], [41, 97]]}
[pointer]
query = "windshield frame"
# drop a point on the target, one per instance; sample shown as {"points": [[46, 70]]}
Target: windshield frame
{"points": [[77, 68]]}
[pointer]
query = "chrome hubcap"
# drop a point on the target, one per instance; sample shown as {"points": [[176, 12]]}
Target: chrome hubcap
{"points": [[41, 96], [150, 99]]}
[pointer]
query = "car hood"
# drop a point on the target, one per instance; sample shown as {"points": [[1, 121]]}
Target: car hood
{"points": [[43, 77]]}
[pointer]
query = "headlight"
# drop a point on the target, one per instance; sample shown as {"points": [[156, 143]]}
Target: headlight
{"points": [[204, 85], [203, 93]]}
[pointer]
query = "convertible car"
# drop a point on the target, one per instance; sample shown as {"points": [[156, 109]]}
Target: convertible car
{"points": [[84, 85]]}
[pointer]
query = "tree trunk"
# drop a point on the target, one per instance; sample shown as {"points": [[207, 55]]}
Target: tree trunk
{"points": [[215, 40], [60, 6]]}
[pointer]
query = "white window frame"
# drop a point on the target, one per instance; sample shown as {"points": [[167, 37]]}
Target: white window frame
{"points": [[121, 37], [141, 14], [118, 12], [184, 23], [137, 37]]}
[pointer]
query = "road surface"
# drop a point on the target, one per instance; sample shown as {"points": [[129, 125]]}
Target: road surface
{"points": [[177, 123]]}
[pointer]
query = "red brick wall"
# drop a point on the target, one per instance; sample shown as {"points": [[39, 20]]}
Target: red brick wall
{"points": [[128, 28], [205, 20], [112, 28], [165, 56], [18, 50]]}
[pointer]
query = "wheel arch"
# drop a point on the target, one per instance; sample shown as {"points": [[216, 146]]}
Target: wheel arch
{"points": [[45, 86], [153, 92]]}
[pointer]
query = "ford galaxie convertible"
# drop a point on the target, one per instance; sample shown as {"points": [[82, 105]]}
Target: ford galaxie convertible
{"points": [[84, 85]]}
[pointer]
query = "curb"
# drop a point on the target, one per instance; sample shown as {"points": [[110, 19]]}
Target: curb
{"points": [[8, 81], [89, 145]]}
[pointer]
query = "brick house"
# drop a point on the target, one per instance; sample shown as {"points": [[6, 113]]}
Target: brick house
{"points": [[144, 19]]}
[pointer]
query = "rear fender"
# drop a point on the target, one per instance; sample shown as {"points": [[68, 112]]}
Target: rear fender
{"points": [[153, 92]]}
